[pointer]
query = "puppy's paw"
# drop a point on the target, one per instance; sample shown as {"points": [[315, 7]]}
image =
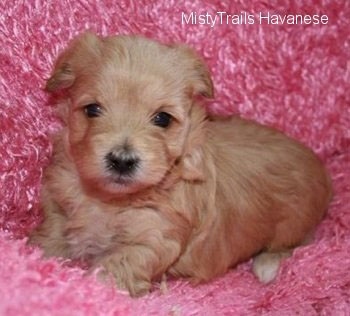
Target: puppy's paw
{"points": [[52, 245], [126, 276], [266, 265]]}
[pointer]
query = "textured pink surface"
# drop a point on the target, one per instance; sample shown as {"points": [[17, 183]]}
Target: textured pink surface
{"points": [[293, 77]]}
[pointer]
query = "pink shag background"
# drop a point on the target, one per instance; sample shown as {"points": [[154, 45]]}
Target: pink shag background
{"points": [[294, 77]]}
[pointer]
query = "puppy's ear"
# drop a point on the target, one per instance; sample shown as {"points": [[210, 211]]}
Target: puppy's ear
{"points": [[197, 72], [63, 77], [193, 165], [193, 162], [79, 52]]}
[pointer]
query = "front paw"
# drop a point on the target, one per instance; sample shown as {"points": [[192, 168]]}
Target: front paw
{"points": [[126, 275], [52, 245]]}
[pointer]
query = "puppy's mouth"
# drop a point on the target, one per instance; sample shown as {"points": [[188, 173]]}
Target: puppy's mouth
{"points": [[118, 184], [121, 180]]}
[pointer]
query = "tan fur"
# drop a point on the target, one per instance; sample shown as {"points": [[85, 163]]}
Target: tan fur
{"points": [[209, 193]]}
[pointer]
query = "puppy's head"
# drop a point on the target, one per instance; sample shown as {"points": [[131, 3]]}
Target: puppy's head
{"points": [[129, 105]]}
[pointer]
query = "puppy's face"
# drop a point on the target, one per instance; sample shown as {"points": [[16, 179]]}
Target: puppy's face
{"points": [[129, 109]]}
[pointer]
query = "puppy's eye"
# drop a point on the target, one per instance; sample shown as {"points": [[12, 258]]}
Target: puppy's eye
{"points": [[93, 110], [162, 119]]}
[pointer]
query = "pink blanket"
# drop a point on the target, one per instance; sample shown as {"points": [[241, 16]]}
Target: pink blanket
{"points": [[292, 76]]}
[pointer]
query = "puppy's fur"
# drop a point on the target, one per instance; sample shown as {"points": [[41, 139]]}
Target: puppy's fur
{"points": [[204, 193]]}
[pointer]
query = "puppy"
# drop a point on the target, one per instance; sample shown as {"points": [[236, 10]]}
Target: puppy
{"points": [[143, 183]]}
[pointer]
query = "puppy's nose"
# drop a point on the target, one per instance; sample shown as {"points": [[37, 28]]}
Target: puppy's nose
{"points": [[124, 163]]}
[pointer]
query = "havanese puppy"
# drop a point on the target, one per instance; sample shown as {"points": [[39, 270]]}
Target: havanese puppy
{"points": [[144, 183]]}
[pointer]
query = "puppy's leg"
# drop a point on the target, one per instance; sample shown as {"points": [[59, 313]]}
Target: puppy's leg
{"points": [[50, 233], [134, 267], [150, 245], [266, 264]]}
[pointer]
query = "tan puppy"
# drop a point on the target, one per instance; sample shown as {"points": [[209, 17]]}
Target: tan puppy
{"points": [[144, 184]]}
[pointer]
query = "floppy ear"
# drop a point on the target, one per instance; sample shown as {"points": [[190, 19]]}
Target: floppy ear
{"points": [[196, 71], [193, 166], [62, 77], [80, 50], [193, 161]]}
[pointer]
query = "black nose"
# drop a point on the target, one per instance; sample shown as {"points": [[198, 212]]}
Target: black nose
{"points": [[124, 163]]}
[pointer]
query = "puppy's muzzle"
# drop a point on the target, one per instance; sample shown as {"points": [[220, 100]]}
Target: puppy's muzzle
{"points": [[123, 164]]}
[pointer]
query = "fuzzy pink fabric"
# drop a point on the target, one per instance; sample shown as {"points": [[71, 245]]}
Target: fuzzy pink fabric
{"points": [[294, 77]]}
